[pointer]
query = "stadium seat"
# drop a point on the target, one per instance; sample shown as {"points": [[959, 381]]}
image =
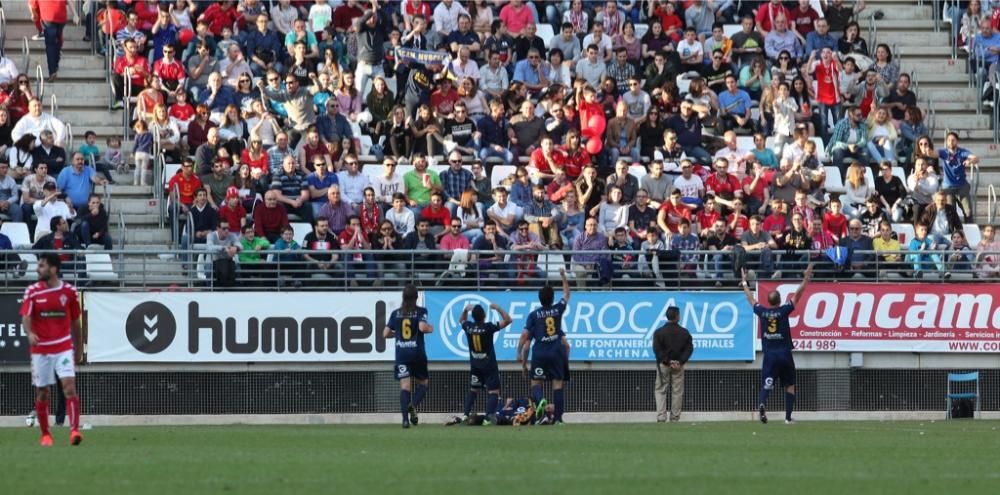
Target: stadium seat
{"points": [[403, 169], [744, 142], [551, 263], [637, 171], [499, 173], [373, 171], [898, 172], [869, 177], [641, 30], [683, 84], [904, 232], [300, 230], [820, 149], [100, 268], [834, 182], [438, 168], [18, 233], [730, 29], [169, 170], [545, 32], [366, 144], [954, 379], [972, 234]]}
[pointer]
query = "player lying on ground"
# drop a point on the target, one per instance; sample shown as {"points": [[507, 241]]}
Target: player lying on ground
{"points": [[776, 341], [516, 412], [484, 371]]}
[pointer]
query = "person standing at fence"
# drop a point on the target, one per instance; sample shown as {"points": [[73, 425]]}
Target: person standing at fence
{"points": [[407, 325], [672, 346], [53, 15], [485, 372], [550, 352], [50, 315], [776, 341]]}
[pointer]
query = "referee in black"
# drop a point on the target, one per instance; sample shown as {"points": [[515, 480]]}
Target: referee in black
{"points": [[672, 347]]}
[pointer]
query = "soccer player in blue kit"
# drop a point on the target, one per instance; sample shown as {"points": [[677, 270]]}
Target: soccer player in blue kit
{"points": [[550, 352], [485, 372], [407, 325], [776, 341]]}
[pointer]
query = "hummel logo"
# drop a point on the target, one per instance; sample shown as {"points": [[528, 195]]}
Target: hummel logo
{"points": [[150, 326]]}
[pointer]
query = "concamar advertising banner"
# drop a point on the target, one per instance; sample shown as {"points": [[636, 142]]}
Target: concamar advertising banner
{"points": [[239, 327], [858, 317]]}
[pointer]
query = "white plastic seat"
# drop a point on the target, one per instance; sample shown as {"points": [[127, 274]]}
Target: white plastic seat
{"points": [[637, 171], [834, 182], [972, 234], [730, 29], [820, 149], [641, 30], [545, 32], [18, 233], [904, 233], [300, 229], [501, 172], [100, 267], [898, 172]]}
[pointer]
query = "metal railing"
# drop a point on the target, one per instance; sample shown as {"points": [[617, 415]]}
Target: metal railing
{"points": [[373, 270], [159, 166], [991, 204], [995, 85], [68, 145], [3, 30], [127, 102], [26, 52], [932, 117], [53, 104], [174, 208], [872, 30], [121, 228], [40, 76]]}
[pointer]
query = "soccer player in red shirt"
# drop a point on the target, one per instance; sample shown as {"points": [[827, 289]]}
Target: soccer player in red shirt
{"points": [[50, 315]]}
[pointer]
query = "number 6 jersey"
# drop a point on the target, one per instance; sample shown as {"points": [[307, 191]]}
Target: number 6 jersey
{"points": [[409, 338]]}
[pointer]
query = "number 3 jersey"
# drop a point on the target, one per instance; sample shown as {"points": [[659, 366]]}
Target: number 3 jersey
{"points": [[409, 338], [545, 327], [776, 336]]}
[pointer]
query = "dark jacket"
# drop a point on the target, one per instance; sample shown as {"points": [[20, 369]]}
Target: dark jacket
{"points": [[48, 242], [672, 342]]}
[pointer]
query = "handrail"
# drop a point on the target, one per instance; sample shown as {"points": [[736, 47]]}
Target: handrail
{"points": [[68, 145], [974, 194], [932, 117], [3, 30], [40, 75], [995, 83], [872, 30], [979, 83], [174, 209], [935, 14], [127, 103], [159, 167], [53, 104], [26, 51], [121, 228], [991, 203]]}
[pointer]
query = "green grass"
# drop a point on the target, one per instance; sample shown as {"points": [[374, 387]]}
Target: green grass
{"points": [[808, 458]]}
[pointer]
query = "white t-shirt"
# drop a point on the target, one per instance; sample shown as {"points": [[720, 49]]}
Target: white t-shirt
{"points": [[320, 16], [690, 188], [686, 50]]}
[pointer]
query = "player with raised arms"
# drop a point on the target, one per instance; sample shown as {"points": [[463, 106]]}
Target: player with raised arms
{"points": [[776, 341], [485, 372], [550, 352], [407, 325], [50, 315]]}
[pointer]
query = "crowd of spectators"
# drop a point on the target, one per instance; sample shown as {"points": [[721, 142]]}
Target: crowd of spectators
{"points": [[635, 144]]}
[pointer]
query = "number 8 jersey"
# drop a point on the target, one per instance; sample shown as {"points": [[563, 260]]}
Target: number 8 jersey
{"points": [[409, 338], [545, 327]]}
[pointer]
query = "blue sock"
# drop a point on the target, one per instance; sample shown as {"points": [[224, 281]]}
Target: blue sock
{"points": [[536, 393], [419, 394], [491, 404], [404, 404], [470, 400], [789, 405], [762, 397], [558, 393]]}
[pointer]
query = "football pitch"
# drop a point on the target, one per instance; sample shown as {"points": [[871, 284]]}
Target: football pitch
{"points": [[747, 458]]}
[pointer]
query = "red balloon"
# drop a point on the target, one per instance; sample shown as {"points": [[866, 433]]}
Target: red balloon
{"points": [[594, 145], [595, 126], [185, 36]]}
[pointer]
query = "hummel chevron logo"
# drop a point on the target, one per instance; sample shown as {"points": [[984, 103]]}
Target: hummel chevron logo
{"points": [[150, 326]]}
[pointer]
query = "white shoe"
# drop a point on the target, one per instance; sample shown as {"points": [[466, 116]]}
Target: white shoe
{"points": [[38, 37], [789, 421]]}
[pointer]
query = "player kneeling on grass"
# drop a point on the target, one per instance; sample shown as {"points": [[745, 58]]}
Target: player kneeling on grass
{"points": [[776, 341], [50, 315], [485, 373], [550, 352], [407, 325], [513, 412]]}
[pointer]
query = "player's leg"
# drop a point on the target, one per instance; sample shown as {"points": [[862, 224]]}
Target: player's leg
{"points": [[766, 384], [67, 378], [470, 401], [558, 398], [42, 375], [405, 387], [788, 380], [492, 384]]}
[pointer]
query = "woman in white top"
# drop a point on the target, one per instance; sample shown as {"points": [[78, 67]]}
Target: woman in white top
{"points": [[611, 212], [475, 100], [164, 126], [881, 136], [922, 183], [49, 208], [471, 214], [784, 110], [283, 15], [857, 190], [182, 14], [988, 254]]}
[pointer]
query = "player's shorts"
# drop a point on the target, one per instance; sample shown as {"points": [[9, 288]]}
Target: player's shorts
{"points": [[412, 369], [45, 367], [778, 366], [548, 368], [488, 379]]}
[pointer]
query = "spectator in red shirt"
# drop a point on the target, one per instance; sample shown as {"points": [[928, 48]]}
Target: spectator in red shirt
{"points": [[444, 98], [725, 187], [577, 156], [707, 216], [737, 221], [137, 67], [672, 211], [547, 159], [767, 13], [436, 214], [220, 15], [232, 209], [802, 18], [344, 16], [776, 223], [169, 69], [834, 221], [757, 190], [352, 238], [184, 184], [181, 110], [270, 217]]}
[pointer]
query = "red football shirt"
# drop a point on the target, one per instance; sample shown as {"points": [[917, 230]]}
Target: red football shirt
{"points": [[186, 187], [726, 187], [675, 214], [52, 310]]}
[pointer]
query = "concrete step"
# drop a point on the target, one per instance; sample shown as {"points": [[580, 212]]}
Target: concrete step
{"points": [[17, 29], [125, 189], [923, 64], [962, 121], [86, 117], [935, 78], [141, 220], [960, 93], [144, 237], [920, 50], [95, 90], [896, 12], [911, 37], [893, 22], [73, 62], [71, 46], [135, 206]]}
